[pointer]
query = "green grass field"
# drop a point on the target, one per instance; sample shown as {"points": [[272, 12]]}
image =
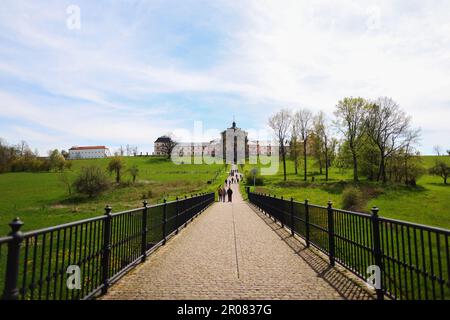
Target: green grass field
{"points": [[427, 203], [41, 200]]}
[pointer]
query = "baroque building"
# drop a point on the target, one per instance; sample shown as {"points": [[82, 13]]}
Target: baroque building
{"points": [[233, 147]]}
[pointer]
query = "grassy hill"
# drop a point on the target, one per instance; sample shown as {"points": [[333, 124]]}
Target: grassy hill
{"points": [[41, 199], [427, 203]]}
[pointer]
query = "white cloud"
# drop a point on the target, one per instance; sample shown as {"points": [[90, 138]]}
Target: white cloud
{"points": [[271, 54]]}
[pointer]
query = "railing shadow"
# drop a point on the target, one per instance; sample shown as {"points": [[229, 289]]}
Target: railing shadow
{"points": [[345, 283]]}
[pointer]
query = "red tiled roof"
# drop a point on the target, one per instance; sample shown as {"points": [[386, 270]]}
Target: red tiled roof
{"points": [[88, 148]]}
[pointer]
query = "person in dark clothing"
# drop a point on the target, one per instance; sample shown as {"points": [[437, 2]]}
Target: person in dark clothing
{"points": [[230, 195], [220, 193]]}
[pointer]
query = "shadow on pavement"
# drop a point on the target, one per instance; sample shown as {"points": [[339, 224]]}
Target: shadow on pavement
{"points": [[344, 282]]}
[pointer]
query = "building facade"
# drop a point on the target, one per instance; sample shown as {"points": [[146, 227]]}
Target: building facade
{"points": [[160, 146], [231, 147], [234, 145], [88, 152]]}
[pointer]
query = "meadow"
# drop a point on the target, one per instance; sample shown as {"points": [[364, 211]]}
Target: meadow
{"points": [[427, 203], [42, 200]]}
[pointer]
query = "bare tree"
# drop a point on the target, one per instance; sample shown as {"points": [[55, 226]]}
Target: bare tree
{"points": [[325, 143], [389, 128], [167, 145], [280, 124], [350, 121], [438, 150], [128, 150], [295, 139], [22, 148], [120, 152], [411, 138], [65, 180], [304, 118]]}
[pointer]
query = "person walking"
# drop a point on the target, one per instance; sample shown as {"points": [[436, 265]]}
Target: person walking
{"points": [[230, 195], [220, 194]]}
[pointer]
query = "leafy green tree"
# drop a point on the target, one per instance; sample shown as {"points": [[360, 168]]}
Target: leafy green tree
{"points": [[441, 169], [281, 125], [369, 159], [301, 129], [389, 128], [350, 120], [57, 160], [325, 145], [91, 181], [116, 165], [134, 171]]}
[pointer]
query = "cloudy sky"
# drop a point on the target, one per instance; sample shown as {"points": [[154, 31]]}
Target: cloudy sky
{"points": [[138, 69]]}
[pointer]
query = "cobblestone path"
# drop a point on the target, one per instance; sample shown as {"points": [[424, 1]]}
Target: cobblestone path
{"points": [[231, 252]]}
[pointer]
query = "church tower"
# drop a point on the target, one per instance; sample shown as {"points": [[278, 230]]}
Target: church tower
{"points": [[235, 145]]}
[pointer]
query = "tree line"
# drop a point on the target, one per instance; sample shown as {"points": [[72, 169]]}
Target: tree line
{"points": [[373, 137], [20, 158]]}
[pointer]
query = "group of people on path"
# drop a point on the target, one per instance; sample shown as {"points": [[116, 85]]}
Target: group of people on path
{"points": [[234, 177], [225, 191]]}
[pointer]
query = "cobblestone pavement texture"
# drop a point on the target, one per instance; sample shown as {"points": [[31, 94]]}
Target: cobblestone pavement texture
{"points": [[233, 252]]}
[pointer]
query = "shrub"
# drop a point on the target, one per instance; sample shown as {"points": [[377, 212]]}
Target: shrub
{"points": [[57, 160], [91, 181], [116, 164], [147, 194], [352, 198], [254, 177], [441, 169], [134, 171]]}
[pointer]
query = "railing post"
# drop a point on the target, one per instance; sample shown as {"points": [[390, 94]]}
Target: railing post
{"points": [[331, 233], [282, 216], [164, 222], [176, 216], [106, 248], [144, 231], [307, 222], [377, 251], [292, 217], [11, 291]]}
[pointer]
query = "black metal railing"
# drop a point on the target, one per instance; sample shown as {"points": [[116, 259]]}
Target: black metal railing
{"points": [[413, 260], [80, 260]]}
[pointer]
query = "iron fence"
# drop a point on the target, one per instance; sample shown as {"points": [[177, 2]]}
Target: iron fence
{"points": [[44, 264], [412, 260]]}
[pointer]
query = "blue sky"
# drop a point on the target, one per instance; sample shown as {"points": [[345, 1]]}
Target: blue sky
{"points": [[138, 69]]}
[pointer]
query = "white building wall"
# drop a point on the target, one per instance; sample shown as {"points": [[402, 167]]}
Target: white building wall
{"points": [[88, 154]]}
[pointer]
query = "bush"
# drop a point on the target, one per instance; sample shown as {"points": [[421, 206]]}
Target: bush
{"points": [[116, 164], [91, 181], [254, 177], [441, 169], [352, 198]]}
